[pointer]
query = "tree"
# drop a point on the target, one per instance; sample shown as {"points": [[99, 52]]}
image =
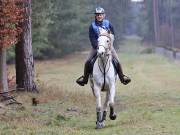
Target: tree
{"points": [[24, 54], [42, 14], [118, 13], [10, 15], [3, 71], [145, 22], [69, 30], [156, 20]]}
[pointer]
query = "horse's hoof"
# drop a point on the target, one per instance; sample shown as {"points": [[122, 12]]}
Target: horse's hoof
{"points": [[99, 125], [112, 117], [103, 124]]}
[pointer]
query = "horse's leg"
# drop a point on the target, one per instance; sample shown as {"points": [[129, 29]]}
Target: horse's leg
{"points": [[105, 106], [97, 94], [112, 115]]}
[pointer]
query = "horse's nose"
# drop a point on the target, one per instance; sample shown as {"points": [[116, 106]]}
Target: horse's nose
{"points": [[100, 52]]}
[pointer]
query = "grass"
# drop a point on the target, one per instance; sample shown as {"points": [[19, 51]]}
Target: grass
{"points": [[150, 105]]}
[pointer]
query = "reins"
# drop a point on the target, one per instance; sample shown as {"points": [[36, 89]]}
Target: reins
{"points": [[104, 70], [105, 64]]}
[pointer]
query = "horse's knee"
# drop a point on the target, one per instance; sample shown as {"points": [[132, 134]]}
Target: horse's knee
{"points": [[98, 109]]}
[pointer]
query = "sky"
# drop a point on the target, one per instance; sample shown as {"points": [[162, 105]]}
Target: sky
{"points": [[137, 0]]}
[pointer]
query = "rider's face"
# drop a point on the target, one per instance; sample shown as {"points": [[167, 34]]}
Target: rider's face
{"points": [[100, 17]]}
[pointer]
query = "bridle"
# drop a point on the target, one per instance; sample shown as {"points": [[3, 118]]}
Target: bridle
{"points": [[108, 53], [109, 45]]}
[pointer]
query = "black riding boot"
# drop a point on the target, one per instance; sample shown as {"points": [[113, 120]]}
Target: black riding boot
{"points": [[84, 79], [124, 79]]}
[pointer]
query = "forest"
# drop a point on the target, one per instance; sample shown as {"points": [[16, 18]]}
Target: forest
{"points": [[58, 31]]}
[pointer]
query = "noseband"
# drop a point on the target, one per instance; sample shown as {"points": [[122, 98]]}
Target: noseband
{"points": [[109, 45]]}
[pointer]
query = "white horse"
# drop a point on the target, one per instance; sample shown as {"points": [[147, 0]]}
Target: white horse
{"points": [[103, 78]]}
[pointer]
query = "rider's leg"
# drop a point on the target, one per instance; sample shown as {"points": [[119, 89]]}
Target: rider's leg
{"points": [[87, 67], [124, 79]]}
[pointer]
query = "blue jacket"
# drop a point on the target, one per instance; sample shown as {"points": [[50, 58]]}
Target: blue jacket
{"points": [[93, 31]]}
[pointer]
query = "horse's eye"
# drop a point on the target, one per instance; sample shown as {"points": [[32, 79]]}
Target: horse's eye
{"points": [[107, 41]]}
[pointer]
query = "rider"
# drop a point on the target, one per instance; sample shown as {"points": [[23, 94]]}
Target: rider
{"points": [[100, 22]]}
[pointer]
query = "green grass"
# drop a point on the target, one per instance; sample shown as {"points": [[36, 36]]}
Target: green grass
{"points": [[149, 105]]}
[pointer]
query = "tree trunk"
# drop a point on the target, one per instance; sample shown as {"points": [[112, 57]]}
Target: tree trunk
{"points": [[172, 27], [3, 72], [156, 21], [24, 55]]}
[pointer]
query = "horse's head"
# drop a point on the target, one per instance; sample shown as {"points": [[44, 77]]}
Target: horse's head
{"points": [[104, 44]]}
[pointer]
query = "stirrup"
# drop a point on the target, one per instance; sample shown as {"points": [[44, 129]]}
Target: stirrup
{"points": [[126, 80], [80, 81], [80, 78]]}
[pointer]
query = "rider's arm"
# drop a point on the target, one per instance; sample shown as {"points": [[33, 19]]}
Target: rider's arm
{"points": [[92, 37], [111, 29], [113, 33]]}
